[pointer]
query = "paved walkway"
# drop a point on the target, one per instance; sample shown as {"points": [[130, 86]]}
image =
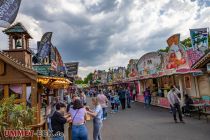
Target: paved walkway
{"points": [[156, 123]]}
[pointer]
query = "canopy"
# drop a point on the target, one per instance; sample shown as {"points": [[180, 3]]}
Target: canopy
{"points": [[54, 82]]}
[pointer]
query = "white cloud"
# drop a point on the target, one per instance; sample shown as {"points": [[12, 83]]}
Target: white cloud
{"points": [[128, 30]]}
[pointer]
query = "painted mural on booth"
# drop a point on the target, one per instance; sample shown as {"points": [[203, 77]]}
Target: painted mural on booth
{"points": [[177, 56], [132, 68], [149, 64]]}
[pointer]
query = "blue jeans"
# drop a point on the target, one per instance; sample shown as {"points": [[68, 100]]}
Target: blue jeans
{"points": [[79, 132], [147, 101], [58, 138], [128, 102], [104, 113], [97, 125]]}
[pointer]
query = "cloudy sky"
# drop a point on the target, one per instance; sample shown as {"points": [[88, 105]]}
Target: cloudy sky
{"points": [[107, 33]]}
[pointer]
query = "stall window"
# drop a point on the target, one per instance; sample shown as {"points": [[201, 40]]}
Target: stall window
{"points": [[187, 82]]}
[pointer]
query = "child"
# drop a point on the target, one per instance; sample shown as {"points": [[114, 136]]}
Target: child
{"points": [[116, 102]]}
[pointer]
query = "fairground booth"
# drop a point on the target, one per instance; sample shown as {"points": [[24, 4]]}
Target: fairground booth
{"points": [[32, 85], [16, 74], [160, 70], [52, 81]]}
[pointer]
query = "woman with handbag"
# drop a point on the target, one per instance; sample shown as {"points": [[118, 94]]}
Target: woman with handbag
{"points": [[78, 114], [97, 115]]}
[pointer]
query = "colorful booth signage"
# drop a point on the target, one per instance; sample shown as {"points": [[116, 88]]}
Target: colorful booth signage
{"points": [[149, 64], [132, 68], [199, 40], [176, 57]]}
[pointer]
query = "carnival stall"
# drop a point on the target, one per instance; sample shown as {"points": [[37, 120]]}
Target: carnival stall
{"points": [[158, 71]]}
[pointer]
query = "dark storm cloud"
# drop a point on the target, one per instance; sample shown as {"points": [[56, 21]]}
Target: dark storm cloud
{"points": [[77, 37], [87, 36]]}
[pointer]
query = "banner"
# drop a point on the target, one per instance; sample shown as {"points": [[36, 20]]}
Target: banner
{"points": [[8, 12], [199, 41], [44, 45], [52, 54], [58, 58], [72, 68]]}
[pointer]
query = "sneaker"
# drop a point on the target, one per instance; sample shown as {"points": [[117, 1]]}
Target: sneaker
{"points": [[175, 121]]}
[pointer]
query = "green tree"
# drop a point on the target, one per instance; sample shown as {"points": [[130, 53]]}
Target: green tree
{"points": [[79, 82], [88, 78]]}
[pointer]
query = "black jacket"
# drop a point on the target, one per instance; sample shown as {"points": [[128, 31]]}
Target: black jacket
{"points": [[57, 122]]}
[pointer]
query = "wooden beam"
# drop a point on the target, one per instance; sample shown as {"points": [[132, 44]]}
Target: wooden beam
{"points": [[24, 93], [34, 94], [6, 91]]}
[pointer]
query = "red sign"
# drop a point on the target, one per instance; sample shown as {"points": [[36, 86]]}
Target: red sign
{"points": [[164, 102]]}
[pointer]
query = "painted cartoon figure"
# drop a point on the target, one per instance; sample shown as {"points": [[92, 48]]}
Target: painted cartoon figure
{"points": [[175, 58]]}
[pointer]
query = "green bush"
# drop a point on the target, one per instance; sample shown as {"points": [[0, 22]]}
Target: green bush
{"points": [[14, 116]]}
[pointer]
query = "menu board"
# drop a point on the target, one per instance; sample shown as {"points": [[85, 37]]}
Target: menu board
{"points": [[72, 68]]}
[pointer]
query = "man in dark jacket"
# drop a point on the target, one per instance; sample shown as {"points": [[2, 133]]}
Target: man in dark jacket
{"points": [[58, 121], [122, 96]]}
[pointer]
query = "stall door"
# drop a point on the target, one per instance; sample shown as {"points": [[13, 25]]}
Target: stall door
{"points": [[204, 85]]}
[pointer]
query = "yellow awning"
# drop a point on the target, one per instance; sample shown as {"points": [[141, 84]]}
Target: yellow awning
{"points": [[54, 82]]}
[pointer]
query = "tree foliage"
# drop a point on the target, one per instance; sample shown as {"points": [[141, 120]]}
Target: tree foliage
{"points": [[14, 116], [88, 78]]}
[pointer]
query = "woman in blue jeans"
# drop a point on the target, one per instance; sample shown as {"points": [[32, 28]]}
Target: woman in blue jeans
{"points": [[78, 113], [97, 115]]}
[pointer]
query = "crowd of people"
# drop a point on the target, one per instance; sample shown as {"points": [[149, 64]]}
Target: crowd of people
{"points": [[75, 110]]}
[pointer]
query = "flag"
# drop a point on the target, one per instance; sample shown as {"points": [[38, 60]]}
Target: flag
{"points": [[44, 45], [8, 12], [53, 65]]}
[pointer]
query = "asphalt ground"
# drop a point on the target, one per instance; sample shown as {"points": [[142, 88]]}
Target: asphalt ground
{"points": [[138, 123]]}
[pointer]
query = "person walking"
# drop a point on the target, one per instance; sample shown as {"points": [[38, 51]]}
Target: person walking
{"points": [[103, 101], [128, 98], [116, 102], [97, 115], [58, 121], [175, 103], [112, 101], [78, 114], [134, 94], [122, 96], [147, 98]]}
